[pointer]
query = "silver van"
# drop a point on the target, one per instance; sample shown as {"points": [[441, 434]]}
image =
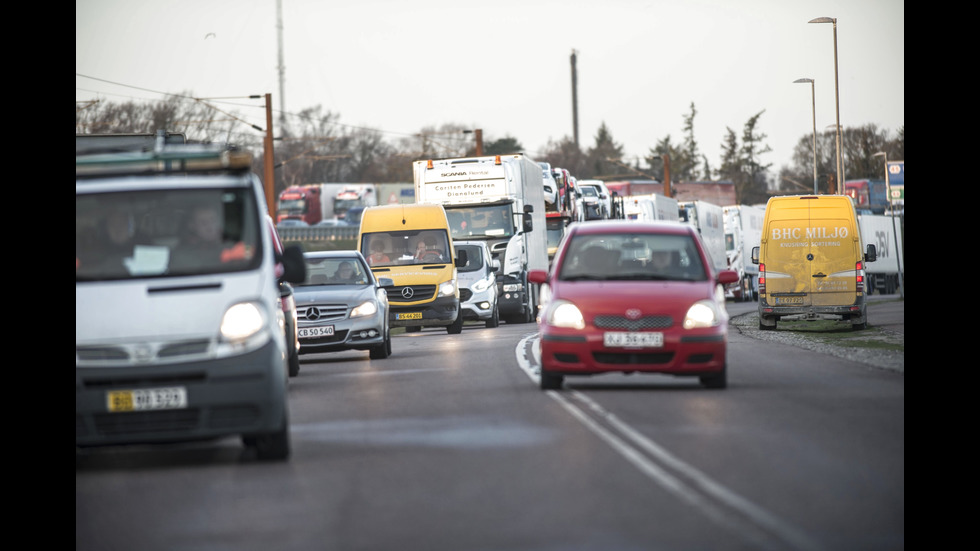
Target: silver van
{"points": [[478, 283], [179, 329]]}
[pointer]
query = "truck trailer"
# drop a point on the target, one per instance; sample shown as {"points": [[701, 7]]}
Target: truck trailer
{"points": [[708, 218], [650, 207], [309, 203], [885, 232], [743, 231]]}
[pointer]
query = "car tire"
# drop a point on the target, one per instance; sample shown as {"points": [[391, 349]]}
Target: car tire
{"points": [[716, 380], [382, 350], [551, 381]]}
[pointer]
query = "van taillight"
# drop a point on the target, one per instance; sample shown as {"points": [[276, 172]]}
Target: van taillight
{"points": [[859, 276], [762, 279]]}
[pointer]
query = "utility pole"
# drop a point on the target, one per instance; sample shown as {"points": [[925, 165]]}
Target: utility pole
{"points": [[269, 160], [282, 67], [574, 101]]}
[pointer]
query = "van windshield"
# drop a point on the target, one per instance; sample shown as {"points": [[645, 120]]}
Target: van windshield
{"points": [[165, 233], [399, 248]]}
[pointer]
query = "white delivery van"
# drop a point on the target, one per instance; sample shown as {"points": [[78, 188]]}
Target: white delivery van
{"points": [[179, 329]]}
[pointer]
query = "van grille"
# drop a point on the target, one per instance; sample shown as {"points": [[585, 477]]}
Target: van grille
{"points": [[396, 294]]}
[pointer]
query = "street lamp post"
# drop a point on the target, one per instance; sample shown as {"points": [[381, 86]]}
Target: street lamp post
{"points": [[813, 100], [840, 175], [888, 187]]}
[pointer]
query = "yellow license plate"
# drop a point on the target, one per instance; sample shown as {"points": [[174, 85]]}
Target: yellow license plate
{"points": [[146, 399], [409, 316]]}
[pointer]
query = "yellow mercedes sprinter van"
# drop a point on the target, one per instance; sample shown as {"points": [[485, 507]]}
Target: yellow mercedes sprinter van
{"points": [[811, 260], [411, 245]]}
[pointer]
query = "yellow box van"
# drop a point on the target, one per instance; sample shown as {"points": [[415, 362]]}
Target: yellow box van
{"points": [[411, 244], [811, 260]]}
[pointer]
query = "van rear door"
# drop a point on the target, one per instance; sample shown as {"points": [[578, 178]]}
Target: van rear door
{"points": [[835, 248]]}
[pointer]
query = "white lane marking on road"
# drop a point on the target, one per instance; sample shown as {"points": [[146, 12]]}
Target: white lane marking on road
{"points": [[717, 502]]}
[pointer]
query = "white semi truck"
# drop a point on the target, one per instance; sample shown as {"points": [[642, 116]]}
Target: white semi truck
{"points": [[743, 230], [499, 199]]}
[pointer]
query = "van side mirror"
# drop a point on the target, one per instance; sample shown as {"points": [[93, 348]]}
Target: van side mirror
{"points": [[872, 254], [294, 265], [460, 259], [755, 255]]}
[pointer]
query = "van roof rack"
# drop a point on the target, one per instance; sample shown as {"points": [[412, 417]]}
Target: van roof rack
{"points": [[165, 159]]}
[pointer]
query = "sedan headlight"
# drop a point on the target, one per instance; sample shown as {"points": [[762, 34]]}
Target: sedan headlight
{"points": [[447, 288], [366, 308], [565, 314], [703, 313], [241, 321]]}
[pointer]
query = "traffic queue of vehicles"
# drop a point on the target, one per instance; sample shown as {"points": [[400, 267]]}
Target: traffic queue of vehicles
{"points": [[191, 315]]}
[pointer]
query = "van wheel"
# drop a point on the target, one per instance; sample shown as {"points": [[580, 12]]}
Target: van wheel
{"points": [[456, 327], [293, 362], [767, 324], [494, 320], [413, 328], [273, 446]]}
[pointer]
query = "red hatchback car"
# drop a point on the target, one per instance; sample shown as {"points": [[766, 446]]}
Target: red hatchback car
{"points": [[627, 296]]}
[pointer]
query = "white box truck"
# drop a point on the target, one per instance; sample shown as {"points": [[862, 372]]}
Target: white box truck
{"points": [[498, 199], [708, 218], [743, 230], [885, 233], [650, 207]]}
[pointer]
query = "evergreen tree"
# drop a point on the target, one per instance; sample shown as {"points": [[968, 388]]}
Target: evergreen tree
{"points": [[605, 148]]}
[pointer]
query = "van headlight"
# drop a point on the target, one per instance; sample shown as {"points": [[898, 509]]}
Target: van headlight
{"points": [[703, 313], [481, 286], [366, 308], [242, 321], [447, 288], [565, 314]]}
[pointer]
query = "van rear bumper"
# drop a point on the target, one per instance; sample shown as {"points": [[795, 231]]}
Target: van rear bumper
{"points": [[239, 395], [857, 308]]}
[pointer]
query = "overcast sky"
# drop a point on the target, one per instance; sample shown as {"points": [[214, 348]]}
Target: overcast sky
{"points": [[504, 66]]}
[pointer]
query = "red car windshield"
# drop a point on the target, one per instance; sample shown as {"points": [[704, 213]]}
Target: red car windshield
{"points": [[634, 256]]}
